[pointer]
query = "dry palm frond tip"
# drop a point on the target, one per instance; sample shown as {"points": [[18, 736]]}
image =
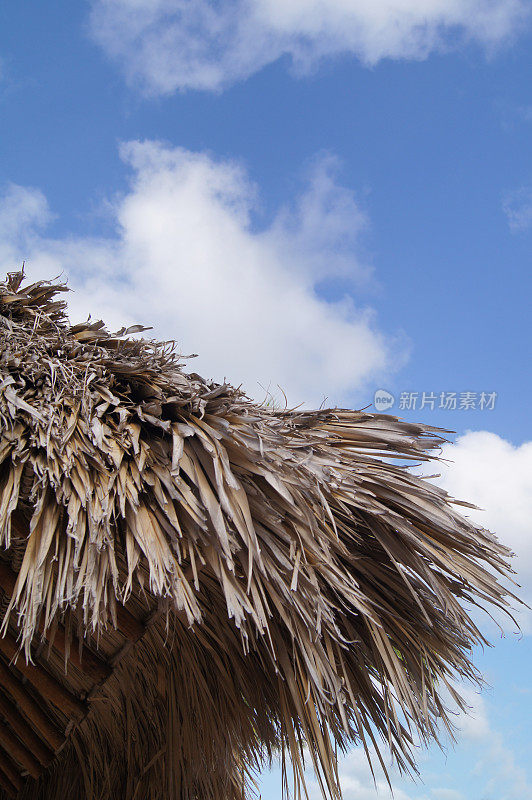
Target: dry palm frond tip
{"points": [[193, 584]]}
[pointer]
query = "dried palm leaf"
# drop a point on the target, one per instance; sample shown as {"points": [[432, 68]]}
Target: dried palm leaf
{"points": [[248, 581]]}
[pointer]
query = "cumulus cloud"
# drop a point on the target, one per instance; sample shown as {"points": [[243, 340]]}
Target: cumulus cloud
{"points": [[472, 723], [497, 767], [490, 761], [517, 205], [446, 794], [487, 470], [357, 781], [188, 257], [21, 210], [168, 45], [496, 476]]}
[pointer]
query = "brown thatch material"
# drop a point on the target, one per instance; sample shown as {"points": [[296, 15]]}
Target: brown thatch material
{"points": [[197, 582]]}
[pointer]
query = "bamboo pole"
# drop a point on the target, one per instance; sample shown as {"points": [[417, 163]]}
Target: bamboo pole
{"points": [[48, 686], [128, 625], [10, 771], [7, 578], [30, 708], [18, 751], [7, 786], [24, 731]]}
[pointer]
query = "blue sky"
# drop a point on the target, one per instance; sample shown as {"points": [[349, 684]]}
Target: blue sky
{"points": [[331, 197]]}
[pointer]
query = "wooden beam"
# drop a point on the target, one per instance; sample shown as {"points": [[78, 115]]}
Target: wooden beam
{"points": [[90, 663], [10, 771], [47, 686], [24, 731], [30, 708], [18, 751]]}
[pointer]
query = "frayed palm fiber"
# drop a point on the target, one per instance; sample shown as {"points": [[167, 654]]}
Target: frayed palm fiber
{"points": [[300, 589]]}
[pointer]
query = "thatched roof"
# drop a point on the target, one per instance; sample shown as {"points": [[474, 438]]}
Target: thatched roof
{"points": [[193, 582]]}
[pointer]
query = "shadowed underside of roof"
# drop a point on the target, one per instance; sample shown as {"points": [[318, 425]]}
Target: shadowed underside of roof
{"points": [[193, 583]]}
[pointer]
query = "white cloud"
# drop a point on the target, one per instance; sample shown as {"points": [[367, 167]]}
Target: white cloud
{"points": [[517, 205], [21, 210], [490, 761], [359, 783], [498, 770], [169, 45], [188, 258], [484, 469], [496, 476], [473, 723], [446, 794]]}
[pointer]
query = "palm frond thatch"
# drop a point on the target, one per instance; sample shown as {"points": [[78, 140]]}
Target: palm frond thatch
{"points": [[196, 582]]}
